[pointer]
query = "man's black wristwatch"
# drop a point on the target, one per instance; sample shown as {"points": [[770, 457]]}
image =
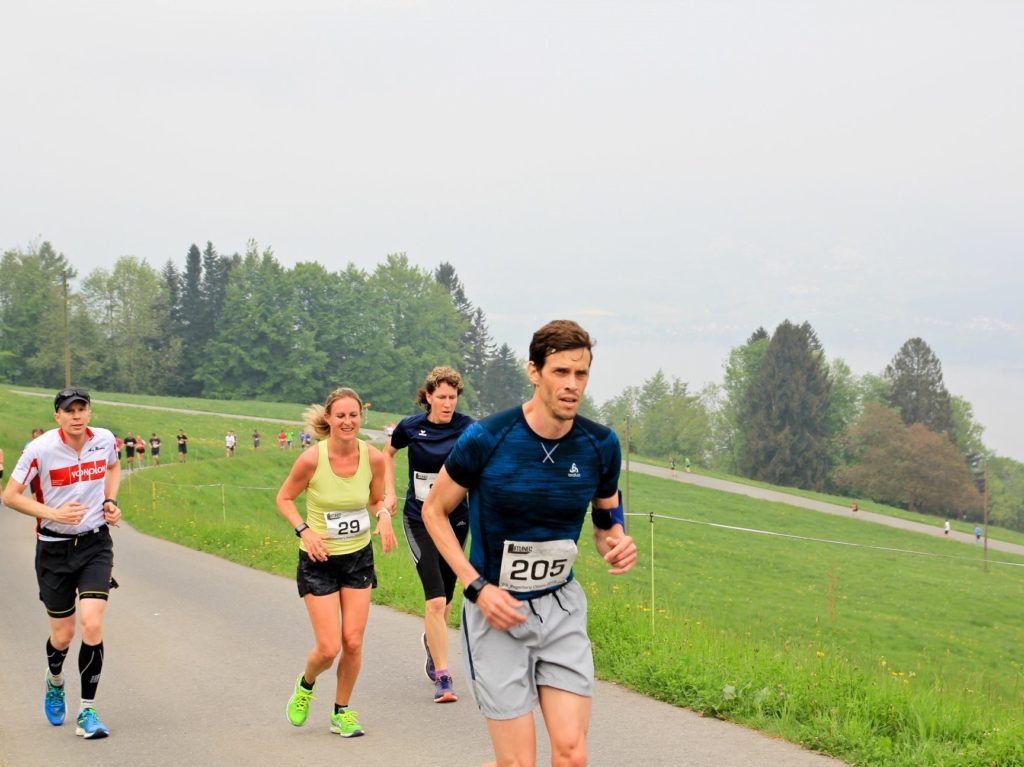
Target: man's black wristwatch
{"points": [[300, 528], [472, 591]]}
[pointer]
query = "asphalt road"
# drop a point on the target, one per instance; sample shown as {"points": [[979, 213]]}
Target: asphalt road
{"points": [[201, 656]]}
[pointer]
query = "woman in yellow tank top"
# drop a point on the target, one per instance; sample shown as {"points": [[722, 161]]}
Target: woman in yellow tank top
{"points": [[343, 479]]}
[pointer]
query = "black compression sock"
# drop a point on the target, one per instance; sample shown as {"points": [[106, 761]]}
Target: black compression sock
{"points": [[90, 664], [55, 658]]}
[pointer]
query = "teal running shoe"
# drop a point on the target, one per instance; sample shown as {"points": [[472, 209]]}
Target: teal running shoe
{"points": [[90, 726], [53, 704]]}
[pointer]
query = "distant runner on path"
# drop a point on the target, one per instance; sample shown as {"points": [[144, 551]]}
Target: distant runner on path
{"points": [[154, 449]]}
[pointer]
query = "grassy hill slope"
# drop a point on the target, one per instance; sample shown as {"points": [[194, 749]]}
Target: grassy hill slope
{"points": [[856, 647]]}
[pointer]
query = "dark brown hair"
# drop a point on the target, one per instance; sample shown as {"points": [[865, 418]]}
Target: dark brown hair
{"points": [[559, 336]]}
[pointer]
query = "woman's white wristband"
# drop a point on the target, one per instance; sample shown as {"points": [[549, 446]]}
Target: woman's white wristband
{"points": [[382, 511]]}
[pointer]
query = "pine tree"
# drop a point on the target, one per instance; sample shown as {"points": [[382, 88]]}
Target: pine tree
{"points": [[475, 341], [172, 287], [449, 280], [480, 349], [192, 314], [785, 416], [917, 390], [505, 382]]}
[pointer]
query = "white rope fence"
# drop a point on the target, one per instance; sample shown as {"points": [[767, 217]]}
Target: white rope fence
{"points": [[754, 530], [223, 496]]}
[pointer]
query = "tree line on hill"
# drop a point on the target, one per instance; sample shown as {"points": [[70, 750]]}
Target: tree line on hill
{"points": [[245, 327], [787, 415]]}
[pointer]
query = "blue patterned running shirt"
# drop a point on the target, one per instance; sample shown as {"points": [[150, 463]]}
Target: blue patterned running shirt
{"points": [[528, 497]]}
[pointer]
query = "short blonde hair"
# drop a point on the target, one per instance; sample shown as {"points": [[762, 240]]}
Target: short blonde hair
{"points": [[439, 375], [316, 415]]}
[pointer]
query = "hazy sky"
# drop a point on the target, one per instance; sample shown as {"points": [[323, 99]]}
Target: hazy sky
{"points": [[672, 174]]}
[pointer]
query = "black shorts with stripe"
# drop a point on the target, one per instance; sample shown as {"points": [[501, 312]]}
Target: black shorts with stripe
{"points": [[437, 577], [78, 566]]}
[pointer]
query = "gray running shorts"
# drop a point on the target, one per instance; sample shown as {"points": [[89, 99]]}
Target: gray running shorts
{"points": [[551, 649]]}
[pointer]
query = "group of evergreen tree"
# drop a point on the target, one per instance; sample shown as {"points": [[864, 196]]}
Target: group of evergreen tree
{"points": [[791, 418], [786, 415], [245, 327]]}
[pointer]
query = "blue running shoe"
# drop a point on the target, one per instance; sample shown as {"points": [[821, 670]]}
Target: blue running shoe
{"points": [[444, 690], [428, 666], [90, 726], [53, 704]]}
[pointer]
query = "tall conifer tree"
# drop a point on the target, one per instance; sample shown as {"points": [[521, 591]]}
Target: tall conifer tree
{"points": [[917, 390], [785, 416]]}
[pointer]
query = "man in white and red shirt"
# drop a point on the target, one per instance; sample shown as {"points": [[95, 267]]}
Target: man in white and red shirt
{"points": [[74, 474]]}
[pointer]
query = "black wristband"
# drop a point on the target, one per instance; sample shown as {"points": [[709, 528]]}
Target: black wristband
{"points": [[472, 591], [108, 500], [300, 528]]}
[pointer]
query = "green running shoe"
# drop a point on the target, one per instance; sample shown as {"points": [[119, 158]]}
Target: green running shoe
{"points": [[298, 706], [346, 724]]}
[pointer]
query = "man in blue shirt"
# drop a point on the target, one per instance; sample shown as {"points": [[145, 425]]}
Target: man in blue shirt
{"points": [[530, 473]]}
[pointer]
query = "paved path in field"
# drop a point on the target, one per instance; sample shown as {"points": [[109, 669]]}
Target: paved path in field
{"points": [[808, 503], [161, 408], [201, 655], [656, 471]]}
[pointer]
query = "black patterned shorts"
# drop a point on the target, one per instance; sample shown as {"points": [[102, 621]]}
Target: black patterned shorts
{"points": [[349, 571]]}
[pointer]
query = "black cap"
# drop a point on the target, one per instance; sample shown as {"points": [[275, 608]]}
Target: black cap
{"points": [[66, 396]]}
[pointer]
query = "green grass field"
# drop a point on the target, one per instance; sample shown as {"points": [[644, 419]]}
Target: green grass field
{"points": [[996, 533], [863, 651]]}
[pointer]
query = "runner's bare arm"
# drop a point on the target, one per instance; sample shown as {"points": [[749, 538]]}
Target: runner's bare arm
{"points": [[617, 548], [294, 485], [71, 513], [497, 605], [377, 505], [390, 499], [111, 484]]}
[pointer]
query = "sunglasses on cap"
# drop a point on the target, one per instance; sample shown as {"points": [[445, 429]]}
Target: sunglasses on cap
{"points": [[66, 396]]}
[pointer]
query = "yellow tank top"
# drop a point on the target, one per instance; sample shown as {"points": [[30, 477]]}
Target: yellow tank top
{"points": [[339, 503]]}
